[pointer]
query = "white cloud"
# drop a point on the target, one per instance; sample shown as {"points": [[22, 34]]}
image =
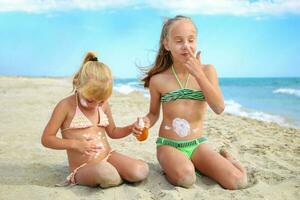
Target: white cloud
{"points": [[54, 5], [205, 7], [229, 7]]}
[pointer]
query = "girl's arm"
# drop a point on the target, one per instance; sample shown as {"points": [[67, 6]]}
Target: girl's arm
{"points": [[49, 138], [153, 114], [113, 131], [150, 118], [210, 87], [155, 103], [206, 77]]}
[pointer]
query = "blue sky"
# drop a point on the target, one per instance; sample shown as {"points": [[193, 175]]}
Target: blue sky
{"points": [[241, 38]]}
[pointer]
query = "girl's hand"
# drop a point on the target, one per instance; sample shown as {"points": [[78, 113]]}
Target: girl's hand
{"points": [[87, 146], [137, 129], [194, 64]]}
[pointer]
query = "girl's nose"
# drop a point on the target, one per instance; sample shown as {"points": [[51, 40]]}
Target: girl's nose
{"points": [[185, 46]]}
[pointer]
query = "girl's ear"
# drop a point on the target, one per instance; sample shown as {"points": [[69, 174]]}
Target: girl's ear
{"points": [[165, 42]]}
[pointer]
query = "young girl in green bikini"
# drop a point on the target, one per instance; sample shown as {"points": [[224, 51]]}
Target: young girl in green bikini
{"points": [[183, 86]]}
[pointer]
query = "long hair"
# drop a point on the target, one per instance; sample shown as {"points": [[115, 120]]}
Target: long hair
{"points": [[163, 59], [93, 79]]}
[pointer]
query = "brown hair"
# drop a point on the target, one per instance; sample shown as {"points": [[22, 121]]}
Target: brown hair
{"points": [[163, 59], [93, 79]]}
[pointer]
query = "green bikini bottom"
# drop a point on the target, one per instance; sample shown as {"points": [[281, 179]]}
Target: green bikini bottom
{"points": [[185, 146]]}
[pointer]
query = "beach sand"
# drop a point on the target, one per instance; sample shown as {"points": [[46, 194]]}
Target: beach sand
{"points": [[28, 170]]}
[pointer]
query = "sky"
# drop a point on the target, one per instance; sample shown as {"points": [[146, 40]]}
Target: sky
{"points": [[241, 38]]}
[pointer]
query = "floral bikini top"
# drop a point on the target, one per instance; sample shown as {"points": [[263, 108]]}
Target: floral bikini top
{"points": [[81, 121], [183, 92]]}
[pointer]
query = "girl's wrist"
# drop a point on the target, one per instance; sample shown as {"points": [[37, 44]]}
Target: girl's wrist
{"points": [[131, 127], [200, 75]]}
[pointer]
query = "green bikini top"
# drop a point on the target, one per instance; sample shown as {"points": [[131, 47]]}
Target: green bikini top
{"points": [[183, 92]]}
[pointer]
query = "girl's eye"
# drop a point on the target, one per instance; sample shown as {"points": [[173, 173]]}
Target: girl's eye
{"points": [[191, 40], [178, 41]]}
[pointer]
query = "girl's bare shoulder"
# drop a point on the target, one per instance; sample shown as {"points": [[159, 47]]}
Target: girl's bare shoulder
{"points": [[68, 103], [160, 78]]}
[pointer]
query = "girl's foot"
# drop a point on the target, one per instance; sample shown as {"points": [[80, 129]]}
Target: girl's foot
{"points": [[227, 155]]}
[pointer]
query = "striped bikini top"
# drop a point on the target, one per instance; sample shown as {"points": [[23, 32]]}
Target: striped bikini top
{"points": [[80, 121], [183, 92]]}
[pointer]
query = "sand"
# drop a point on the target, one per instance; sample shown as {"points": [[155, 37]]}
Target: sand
{"points": [[271, 153]]}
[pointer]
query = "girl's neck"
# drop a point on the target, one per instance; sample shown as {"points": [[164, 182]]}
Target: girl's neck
{"points": [[180, 69]]}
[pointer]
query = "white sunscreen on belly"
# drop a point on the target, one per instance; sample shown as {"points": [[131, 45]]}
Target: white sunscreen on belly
{"points": [[181, 127]]}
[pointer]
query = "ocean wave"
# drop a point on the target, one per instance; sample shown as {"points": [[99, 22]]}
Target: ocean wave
{"points": [[129, 88], [288, 91], [133, 83], [124, 89], [235, 108]]}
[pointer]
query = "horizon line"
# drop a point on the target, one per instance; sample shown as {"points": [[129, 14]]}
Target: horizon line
{"points": [[63, 77]]}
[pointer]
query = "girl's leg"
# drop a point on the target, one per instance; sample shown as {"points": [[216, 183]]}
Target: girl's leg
{"points": [[101, 173], [130, 169], [179, 169], [219, 168], [237, 164]]}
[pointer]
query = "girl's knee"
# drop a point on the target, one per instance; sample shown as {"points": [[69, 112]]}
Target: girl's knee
{"points": [[107, 176], [110, 181], [138, 172], [185, 176]]}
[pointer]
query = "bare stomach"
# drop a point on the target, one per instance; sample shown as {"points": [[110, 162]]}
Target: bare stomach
{"points": [[180, 129], [95, 134]]}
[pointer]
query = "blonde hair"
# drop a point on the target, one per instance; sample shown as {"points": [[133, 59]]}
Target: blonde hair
{"points": [[93, 79], [163, 59]]}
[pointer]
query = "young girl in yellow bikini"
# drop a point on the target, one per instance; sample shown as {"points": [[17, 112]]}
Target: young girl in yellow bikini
{"points": [[84, 119], [183, 86]]}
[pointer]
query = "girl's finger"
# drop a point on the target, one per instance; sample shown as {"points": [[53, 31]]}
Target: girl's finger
{"points": [[198, 56], [87, 153], [96, 147], [136, 131], [188, 62], [92, 151], [137, 127], [190, 52], [134, 134]]}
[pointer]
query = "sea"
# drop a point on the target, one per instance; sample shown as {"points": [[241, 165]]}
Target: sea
{"points": [[266, 99]]}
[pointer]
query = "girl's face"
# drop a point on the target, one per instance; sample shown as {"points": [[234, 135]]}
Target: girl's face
{"points": [[89, 103], [181, 36]]}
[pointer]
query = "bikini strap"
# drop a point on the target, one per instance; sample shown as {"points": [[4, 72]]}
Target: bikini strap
{"points": [[76, 98], [177, 78]]}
